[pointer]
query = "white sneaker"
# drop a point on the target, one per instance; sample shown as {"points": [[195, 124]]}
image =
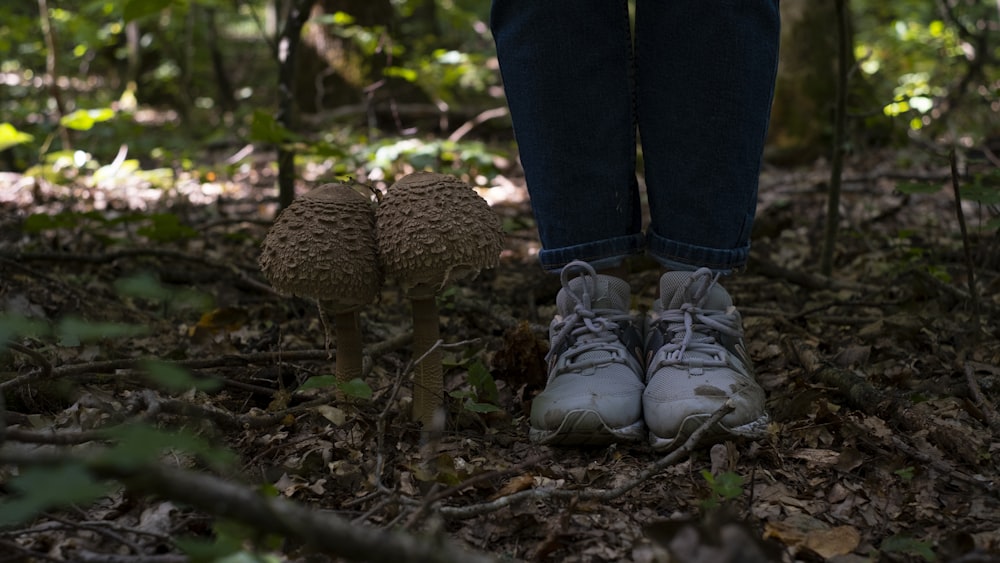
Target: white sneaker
{"points": [[594, 392], [697, 361]]}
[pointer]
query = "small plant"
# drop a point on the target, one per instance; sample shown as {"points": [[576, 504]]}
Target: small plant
{"points": [[723, 487], [911, 546], [481, 397]]}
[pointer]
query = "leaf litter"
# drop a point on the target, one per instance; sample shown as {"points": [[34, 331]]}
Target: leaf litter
{"points": [[883, 443]]}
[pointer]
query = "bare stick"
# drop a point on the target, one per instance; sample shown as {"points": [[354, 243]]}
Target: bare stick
{"points": [[984, 404], [969, 267], [323, 531], [837, 159]]}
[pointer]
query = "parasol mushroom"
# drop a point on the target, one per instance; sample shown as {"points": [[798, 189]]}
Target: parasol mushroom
{"points": [[323, 247], [433, 230]]}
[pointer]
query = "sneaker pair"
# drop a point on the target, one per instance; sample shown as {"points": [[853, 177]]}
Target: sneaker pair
{"points": [[613, 375]]}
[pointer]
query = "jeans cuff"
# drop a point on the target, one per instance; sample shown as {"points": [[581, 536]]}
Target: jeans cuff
{"points": [[682, 256], [606, 253]]}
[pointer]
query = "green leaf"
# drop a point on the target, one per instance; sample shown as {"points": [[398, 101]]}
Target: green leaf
{"points": [[11, 137], [44, 222], [44, 488], [265, 128], [356, 388], [917, 188], [73, 331], [319, 382], [982, 193], [201, 550], [905, 544], [14, 325], [175, 378], [139, 444], [84, 119], [135, 9], [143, 286], [166, 227], [479, 407], [482, 381]]}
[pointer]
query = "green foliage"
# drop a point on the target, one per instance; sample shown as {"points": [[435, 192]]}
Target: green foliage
{"points": [[907, 545], [11, 137], [918, 58], [176, 379], [14, 326], [42, 488], [138, 444], [85, 119], [723, 487], [158, 227], [74, 331], [906, 473], [482, 394]]}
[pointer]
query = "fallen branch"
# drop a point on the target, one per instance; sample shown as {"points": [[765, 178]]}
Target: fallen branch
{"points": [[229, 360], [984, 404], [319, 530]]}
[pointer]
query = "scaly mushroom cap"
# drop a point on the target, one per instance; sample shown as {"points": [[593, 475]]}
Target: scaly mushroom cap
{"points": [[434, 230], [323, 247]]}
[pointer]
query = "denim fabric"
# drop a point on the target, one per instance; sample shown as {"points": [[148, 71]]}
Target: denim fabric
{"points": [[697, 81]]}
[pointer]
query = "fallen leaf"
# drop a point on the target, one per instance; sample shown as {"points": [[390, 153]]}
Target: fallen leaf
{"points": [[514, 485]]}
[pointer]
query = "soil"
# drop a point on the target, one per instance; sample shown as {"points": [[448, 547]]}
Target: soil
{"points": [[882, 384]]}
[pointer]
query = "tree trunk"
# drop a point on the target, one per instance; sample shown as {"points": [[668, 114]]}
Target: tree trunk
{"points": [[807, 82], [288, 48]]}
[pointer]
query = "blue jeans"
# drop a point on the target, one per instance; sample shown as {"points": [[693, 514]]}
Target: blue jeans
{"points": [[697, 82]]}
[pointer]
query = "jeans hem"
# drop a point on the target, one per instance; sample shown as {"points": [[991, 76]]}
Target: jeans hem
{"points": [[682, 256], [606, 253]]}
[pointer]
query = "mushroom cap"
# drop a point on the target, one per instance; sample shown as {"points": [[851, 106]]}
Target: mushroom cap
{"points": [[323, 246], [434, 230]]}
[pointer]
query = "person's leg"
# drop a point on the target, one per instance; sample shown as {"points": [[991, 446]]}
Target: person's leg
{"points": [[566, 67], [705, 80]]}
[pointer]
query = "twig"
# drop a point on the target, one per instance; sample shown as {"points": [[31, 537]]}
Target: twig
{"points": [[672, 458], [839, 126], [323, 531], [969, 267], [486, 476], [106, 366], [984, 404], [108, 257], [53, 437], [84, 556], [36, 356], [483, 117], [22, 553]]}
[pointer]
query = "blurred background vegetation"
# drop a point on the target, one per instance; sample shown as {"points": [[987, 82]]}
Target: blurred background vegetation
{"points": [[189, 84]]}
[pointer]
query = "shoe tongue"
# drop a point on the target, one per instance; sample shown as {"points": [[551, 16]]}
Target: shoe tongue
{"points": [[606, 292], [673, 292]]}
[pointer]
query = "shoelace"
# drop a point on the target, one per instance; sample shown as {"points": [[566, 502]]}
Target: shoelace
{"points": [[590, 329], [691, 325]]}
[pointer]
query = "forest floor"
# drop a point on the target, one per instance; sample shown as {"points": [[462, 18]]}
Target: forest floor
{"points": [[884, 441]]}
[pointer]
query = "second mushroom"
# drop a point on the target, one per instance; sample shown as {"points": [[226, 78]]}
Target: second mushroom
{"points": [[433, 230]]}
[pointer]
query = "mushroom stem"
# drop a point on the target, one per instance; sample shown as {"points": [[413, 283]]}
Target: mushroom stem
{"points": [[427, 384], [347, 330]]}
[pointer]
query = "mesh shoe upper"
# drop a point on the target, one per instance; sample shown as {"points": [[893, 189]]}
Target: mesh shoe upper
{"points": [[594, 390], [697, 362]]}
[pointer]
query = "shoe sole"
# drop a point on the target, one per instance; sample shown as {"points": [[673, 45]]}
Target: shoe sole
{"points": [[753, 429], [587, 428]]}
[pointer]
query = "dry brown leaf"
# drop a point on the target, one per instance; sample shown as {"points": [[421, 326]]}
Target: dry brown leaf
{"points": [[835, 541], [515, 485]]}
